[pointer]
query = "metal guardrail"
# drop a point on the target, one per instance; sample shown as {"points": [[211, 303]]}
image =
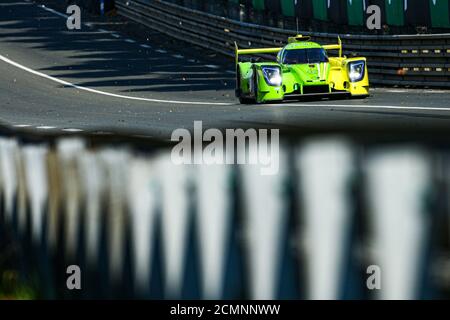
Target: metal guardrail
{"points": [[410, 60], [140, 226]]}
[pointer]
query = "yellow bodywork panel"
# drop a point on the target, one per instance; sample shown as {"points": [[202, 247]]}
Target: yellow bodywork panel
{"points": [[339, 79]]}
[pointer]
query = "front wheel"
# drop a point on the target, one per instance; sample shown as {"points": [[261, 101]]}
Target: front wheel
{"points": [[255, 86], [247, 99], [253, 97]]}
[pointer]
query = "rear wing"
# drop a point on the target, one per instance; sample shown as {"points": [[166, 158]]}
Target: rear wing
{"points": [[253, 51], [335, 46], [238, 51]]}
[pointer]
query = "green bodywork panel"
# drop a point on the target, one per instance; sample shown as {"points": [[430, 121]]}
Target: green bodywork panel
{"points": [[264, 90], [302, 45], [294, 77], [305, 75]]}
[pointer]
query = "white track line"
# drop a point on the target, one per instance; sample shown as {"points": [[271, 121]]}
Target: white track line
{"points": [[363, 106], [46, 127], [66, 83], [54, 11], [72, 130], [394, 90], [65, 16]]}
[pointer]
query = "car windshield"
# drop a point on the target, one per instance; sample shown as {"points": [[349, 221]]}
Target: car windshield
{"points": [[299, 56]]}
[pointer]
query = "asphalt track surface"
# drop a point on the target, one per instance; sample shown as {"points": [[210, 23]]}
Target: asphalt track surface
{"points": [[100, 80]]}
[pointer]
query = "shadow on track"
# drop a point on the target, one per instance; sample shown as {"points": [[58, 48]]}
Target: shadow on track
{"points": [[96, 59]]}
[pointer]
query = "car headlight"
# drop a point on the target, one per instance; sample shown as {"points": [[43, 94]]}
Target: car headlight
{"points": [[272, 76], [356, 70]]}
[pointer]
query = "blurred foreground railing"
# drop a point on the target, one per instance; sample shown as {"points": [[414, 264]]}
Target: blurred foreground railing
{"points": [[139, 226]]}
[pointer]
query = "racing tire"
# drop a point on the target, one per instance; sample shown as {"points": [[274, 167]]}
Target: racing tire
{"points": [[243, 99], [255, 86], [238, 92]]}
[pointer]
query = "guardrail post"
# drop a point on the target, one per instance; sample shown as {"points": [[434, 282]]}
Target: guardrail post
{"points": [[174, 182], [142, 201], [398, 183], [326, 213], [213, 226], [265, 219]]}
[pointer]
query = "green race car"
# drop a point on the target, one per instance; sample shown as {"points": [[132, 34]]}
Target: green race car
{"points": [[301, 68]]}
